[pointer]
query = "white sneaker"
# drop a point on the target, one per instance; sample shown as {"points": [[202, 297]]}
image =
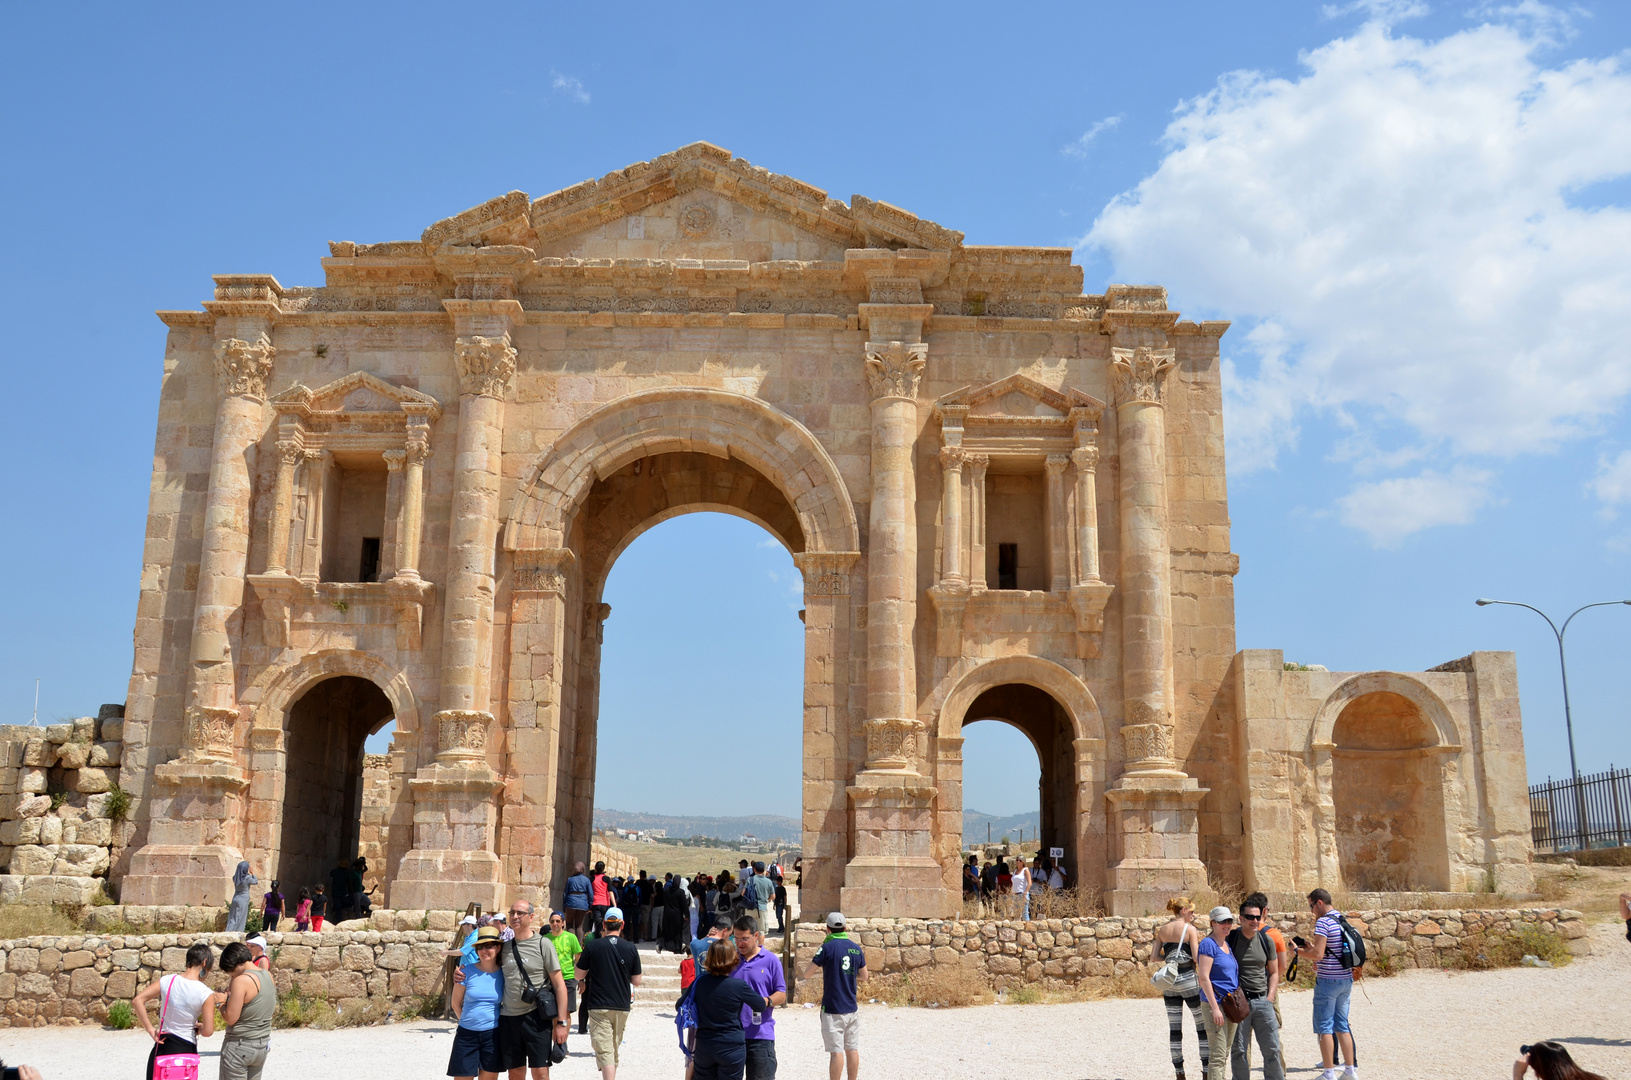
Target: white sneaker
{"points": [[1328, 1074], [1350, 1072]]}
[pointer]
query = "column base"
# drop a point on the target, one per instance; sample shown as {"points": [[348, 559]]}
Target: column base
{"points": [[193, 823], [1155, 826], [180, 874], [452, 863], [448, 881], [894, 873]]}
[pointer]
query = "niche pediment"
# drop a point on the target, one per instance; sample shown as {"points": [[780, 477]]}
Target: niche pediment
{"points": [[1018, 419], [357, 393], [1020, 396]]}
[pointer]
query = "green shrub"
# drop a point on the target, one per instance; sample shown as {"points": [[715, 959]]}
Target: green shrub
{"points": [[120, 1016], [118, 803]]}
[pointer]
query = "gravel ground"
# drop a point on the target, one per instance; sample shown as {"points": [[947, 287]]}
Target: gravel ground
{"points": [[1427, 1025]]}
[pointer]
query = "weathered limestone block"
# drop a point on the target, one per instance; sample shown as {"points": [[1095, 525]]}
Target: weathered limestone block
{"points": [[915, 956], [84, 729], [85, 983], [357, 958], [127, 959], [346, 984], [73, 755], [21, 831], [33, 781], [78, 958], [199, 920], [1116, 948], [36, 984], [326, 958], [295, 957], [38, 753], [81, 860], [174, 959], [50, 831], [312, 984], [395, 957], [121, 984], [94, 781], [105, 755], [96, 831], [58, 734], [23, 960], [113, 729], [33, 806], [30, 859]]}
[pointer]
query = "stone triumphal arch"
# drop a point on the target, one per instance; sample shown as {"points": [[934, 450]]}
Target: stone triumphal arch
{"points": [[396, 496]]}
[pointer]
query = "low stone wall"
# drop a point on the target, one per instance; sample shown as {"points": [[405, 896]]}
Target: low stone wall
{"points": [[618, 863], [75, 979], [1062, 952], [55, 817]]}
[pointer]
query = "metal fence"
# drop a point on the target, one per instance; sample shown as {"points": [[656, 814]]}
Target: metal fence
{"points": [[1596, 814]]}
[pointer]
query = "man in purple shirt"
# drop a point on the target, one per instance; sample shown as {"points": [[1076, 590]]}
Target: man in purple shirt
{"points": [[762, 970]]}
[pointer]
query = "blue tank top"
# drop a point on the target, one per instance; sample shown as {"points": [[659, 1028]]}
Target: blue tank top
{"points": [[483, 993]]}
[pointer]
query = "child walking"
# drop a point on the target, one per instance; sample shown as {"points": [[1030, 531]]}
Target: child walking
{"points": [[319, 908], [302, 911], [272, 907]]}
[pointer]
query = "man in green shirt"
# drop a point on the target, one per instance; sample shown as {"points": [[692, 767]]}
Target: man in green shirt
{"points": [[567, 947]]}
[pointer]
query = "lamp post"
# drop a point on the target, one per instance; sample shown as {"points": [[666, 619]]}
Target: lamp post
{"points": [[1568, 720]]}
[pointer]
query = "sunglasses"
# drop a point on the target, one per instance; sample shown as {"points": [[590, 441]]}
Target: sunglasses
{"points": [[1251, 918], [514, 914]]}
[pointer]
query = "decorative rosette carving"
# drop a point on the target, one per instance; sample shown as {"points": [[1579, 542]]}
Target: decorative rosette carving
{"points": [[894, 368], [462, 736], [242, 367], [486, 365], [210, 733], [892, 743], [1141, 374]]}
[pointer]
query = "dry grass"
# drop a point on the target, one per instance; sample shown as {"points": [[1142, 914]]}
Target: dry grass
{"points": [[295, 1010], [1483, 951], [939, 986], [1593, 890], [1072, 903], [37, 920]]}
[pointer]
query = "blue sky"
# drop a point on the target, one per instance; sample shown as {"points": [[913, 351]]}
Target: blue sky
{"points": [[1415, 215]]}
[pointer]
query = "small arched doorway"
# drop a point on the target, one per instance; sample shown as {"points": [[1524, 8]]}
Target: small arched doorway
{"points": [[1388, 797], [1048, 727], [323, 789]]}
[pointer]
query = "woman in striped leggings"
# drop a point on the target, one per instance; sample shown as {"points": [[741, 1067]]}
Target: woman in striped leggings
{"points": [[1180, 936]]}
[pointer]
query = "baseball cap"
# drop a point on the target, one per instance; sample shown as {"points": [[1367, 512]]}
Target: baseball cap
{"points": [[499, 916], [614, 914], [468, 920], [256, 940], [1221, 914], [835, 920]]}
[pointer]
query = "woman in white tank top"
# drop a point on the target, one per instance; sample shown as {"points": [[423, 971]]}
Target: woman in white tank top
{"points": [[1022, 888]]}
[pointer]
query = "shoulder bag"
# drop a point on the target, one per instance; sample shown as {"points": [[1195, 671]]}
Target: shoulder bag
{"points": [[541, 1000], [1235, 1006], [173, 1066]]}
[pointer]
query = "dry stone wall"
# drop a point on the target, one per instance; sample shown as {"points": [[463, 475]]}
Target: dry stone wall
{"points": [[57, 830], [1063, 952]]}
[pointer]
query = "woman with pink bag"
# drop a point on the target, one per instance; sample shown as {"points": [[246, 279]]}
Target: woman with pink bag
{"points": [[186, 1015]]}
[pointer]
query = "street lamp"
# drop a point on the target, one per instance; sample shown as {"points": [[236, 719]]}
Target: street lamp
{"points": [[1568, 720]]}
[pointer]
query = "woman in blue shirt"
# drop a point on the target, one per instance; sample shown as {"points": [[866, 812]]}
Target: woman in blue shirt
{"points": [[721, 1052], [475, 1003], [1218, 972]]}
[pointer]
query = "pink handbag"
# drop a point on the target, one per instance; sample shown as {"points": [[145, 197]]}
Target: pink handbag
{"points": [[173, 1066]]}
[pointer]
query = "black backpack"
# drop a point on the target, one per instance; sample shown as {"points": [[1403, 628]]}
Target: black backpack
{"points": [[1352, 953]]}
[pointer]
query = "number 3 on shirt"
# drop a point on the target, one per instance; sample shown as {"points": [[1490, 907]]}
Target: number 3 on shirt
{"points": [[845, 966]]}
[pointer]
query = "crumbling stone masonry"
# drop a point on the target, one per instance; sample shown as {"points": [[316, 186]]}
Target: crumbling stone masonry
{"points": [[397, 495]]}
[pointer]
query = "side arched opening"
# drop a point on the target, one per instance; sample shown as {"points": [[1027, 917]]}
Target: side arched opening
{"points": [[1388, 797]]}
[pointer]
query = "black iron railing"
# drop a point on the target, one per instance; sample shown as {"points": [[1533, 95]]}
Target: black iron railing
{"points": [[1596, 814]]}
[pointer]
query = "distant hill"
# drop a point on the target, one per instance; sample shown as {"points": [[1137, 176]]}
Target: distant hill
{"points": [[773, 829], [767, 827], [974, 826]]}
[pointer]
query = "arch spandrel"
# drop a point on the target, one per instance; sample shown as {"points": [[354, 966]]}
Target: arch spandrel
{"points": [[684, 419], [1411, 689], [280, 685]]}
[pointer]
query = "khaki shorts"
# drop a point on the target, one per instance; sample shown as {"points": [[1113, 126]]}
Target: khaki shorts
{"points": [[606, 1034], [841, 1031]]}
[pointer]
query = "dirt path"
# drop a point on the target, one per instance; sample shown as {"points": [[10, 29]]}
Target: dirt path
{"points": [[1426, 1025]]}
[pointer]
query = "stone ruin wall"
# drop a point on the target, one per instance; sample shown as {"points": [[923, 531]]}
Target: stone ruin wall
{"points": [[397, 956], [57, 834]]}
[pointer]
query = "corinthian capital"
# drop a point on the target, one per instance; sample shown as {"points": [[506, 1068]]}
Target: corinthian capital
{"points": [[953, 458], [486, 365], [1141, 374], [242, 367], [894, 368]]}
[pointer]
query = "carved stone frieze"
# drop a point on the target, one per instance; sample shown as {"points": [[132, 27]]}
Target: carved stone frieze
{"points": [[1148, 745], [211, 734], [545, 570], [826, 573], [893, 742], [895, 368], [462, 736], [1140, 375], [486, 365], [242, 367]]}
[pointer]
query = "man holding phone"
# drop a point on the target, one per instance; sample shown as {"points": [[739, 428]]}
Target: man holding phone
{"points": [[1333, 984]]}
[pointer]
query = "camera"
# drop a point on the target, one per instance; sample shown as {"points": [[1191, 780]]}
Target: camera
{"points": [[8, 1072], [1523, 1051], [529, 995], [1299, 942]]}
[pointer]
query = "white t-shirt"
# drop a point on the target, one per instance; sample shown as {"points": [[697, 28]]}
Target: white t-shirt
{"points": [[1022, 882], [186, 999]]}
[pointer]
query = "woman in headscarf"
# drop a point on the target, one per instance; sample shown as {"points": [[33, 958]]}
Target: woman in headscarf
{"points": [[676, 917], [238, 914]]}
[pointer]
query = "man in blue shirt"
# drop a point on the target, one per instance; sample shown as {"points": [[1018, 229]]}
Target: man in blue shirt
{"points": [[576, 901], [761, 970], [843, 966], [720, 929]]}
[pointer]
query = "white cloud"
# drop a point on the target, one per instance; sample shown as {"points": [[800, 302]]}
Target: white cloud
{"points": [[1078, 149], [1390, 510], [1395, 228], [1382, 11], [1612, 484], [571, 87]]}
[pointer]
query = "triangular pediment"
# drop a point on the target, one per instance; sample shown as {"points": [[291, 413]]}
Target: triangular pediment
{"points": [[358, 392], [699, 224], [1020, 396], [684, 178]]}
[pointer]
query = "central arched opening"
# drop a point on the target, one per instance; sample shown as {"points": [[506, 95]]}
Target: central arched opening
{"points": [[1047, 727], [324, 784], [693, 687]]}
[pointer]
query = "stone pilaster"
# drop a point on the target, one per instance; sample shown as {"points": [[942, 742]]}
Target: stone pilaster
{"points": [[196, 811], [290, 454], [411, 524], [977, 464], [1058, 523], [894, 871], [454, 860], [1154, 807], [952, 460]]}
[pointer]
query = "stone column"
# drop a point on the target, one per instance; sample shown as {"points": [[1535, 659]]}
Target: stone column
{"points": [[977, 464], [894, 871], [290, 454], [411, 524], [1086, 460], [454, 859], [951, 517], [195, 829], [1156, 828], [1058, 525]]}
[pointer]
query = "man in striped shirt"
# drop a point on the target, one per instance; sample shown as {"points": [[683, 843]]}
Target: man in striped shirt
{"points": [[1333, 984]]}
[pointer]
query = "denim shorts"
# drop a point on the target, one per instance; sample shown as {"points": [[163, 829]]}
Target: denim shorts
{"points": [[1331, 1005]]}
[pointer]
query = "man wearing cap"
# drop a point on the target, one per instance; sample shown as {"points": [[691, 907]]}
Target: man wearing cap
{"points": [[466, 952], [503, 924], [607, 971], [842, 963], [527, 1030]]}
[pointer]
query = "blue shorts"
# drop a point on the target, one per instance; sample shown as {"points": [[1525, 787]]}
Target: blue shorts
{"points": [[1331, 1005]]}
